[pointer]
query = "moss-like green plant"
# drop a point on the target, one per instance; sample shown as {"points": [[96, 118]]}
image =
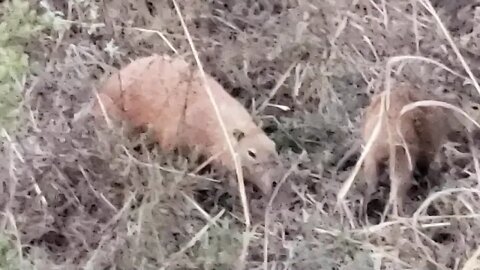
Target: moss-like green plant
{"points": [[9, 257], [19, 24], [220, 247]]}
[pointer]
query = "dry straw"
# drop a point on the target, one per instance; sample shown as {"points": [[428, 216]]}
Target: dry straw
{"points": [[238, 167]]}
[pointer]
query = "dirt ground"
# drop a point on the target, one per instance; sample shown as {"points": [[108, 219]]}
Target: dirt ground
{"points": [[76, 195]]}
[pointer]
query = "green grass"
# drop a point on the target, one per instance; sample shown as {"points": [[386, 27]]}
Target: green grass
{"points": [[20, 24], [9, 257]]}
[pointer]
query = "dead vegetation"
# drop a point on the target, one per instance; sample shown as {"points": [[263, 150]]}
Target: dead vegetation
{"points": [[76, 196]]}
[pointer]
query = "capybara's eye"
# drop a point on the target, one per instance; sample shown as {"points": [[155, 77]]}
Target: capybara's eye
{"points": [[252, 154]]}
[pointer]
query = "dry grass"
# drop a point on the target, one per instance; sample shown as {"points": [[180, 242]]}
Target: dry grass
{"points": [[79, 195]]}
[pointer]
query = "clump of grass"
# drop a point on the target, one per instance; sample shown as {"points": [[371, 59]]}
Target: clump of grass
{"points": [[20, 24], [9, 257], [220, 247]]}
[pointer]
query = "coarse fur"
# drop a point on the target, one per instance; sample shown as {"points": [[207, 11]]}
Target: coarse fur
{"points": [[167, 94], [422, 130]]}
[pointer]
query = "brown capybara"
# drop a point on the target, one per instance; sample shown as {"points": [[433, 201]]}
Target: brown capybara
{"points": [[168, 95], [423, 130]]}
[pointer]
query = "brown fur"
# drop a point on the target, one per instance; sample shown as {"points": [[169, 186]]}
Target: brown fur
{"points": [[424, 130], [168, 95]]}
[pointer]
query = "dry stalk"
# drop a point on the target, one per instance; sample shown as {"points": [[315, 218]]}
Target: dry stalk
{"points": [[238, 167]]}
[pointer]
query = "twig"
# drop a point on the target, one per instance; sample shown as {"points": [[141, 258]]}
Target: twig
{"points": [[238, 167], [275, 89]]}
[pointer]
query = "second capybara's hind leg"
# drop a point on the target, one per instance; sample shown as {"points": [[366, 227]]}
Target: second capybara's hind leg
{"points": [[371, 179], [401, 180]]}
